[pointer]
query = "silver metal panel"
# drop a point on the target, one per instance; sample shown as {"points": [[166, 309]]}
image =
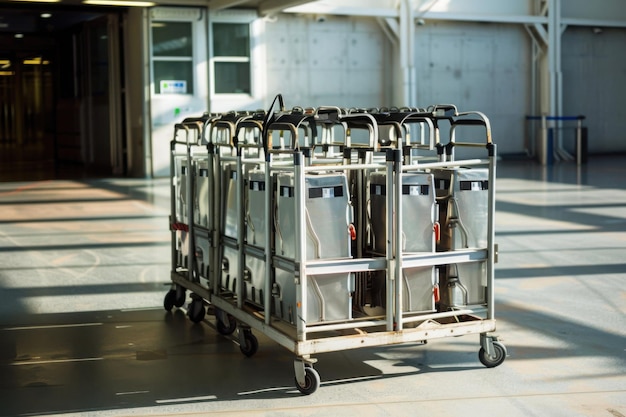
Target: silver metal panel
{"points": [[254, 280], [229, 194], [419, 285], [463, 195], [284, 296], [230, 260], [182, 247], [255, 275], [329, 297], [255, 209], [180, 184], [327, 214], [470, 288], [418, 211], [285, 221], [202, 254], [201, 192], [470, 193]]}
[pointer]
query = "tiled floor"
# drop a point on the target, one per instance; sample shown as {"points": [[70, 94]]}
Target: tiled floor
{"points": [[84, 266]]}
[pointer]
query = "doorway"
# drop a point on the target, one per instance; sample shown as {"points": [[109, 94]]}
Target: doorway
{"points": [[26, 111], [61, 95]]}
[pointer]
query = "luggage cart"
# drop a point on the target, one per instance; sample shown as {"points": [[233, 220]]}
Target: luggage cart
{"points": [[189, 215], [301, 212]]}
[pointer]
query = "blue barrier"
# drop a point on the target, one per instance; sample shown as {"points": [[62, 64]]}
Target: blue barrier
{"points": [[550, 148]]}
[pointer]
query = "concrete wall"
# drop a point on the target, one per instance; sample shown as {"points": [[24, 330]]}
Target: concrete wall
{"points": [[482, 67], [349, 62], [594, 84], [334, 60]]}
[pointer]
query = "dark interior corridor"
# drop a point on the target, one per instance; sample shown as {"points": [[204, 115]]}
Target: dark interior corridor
{"points": [[53, 83]]}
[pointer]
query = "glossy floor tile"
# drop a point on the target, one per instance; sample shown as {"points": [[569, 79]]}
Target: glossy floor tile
{"points": [[84, 267]]}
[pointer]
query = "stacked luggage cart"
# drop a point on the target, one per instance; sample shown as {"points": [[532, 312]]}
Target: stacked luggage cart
{"points": [[330, 229]]}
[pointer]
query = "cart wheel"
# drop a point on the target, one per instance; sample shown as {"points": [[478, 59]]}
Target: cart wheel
{"points": [[493, 361], [180, 296], [251, 344], [169, 300], [311, 381], [196, 311], [226, 329]]}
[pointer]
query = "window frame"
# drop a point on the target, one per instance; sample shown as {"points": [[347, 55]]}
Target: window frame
{"points": [[246, 17], [184, 17]]}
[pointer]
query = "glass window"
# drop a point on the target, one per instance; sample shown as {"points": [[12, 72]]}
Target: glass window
{"points": [[231, 39], [231, 58], [232, 77], [171, 39], [172, 57], [168, 72]]}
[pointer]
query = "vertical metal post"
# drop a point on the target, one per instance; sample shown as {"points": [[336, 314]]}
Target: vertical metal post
{"points": [[267, 295], [300, 250], [240, 227], [219, 216], [491, 256], [213, 266], [543, 146], [173, 202], [191, 255], [397, 236], [390, 278]]}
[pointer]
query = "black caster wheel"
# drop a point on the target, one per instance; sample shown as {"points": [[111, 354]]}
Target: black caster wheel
{"points": [[180, 296], [250, 343], [196, 311], [226, 328], [311, 381], [495, 360], [170, 300]]}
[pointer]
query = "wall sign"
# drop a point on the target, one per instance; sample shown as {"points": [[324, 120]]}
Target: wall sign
{"points": [[173, 87]]}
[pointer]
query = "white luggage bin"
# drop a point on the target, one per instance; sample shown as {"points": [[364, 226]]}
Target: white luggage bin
{"points": [[230, 223], [201, 191], [463, 195], [418, 218], [182, 209], [202, 211], [254, 279], [327, 217]]}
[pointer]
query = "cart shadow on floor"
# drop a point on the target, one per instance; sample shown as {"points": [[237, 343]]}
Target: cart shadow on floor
{"points": [[150, 358], [111, 360]]}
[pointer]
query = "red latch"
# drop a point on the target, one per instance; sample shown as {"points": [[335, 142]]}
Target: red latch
{"points": [[437, 230], [179, 226], [352, 231]]}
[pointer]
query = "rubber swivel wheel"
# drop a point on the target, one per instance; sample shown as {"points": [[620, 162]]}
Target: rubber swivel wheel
{"points": [[196, 311], [311, 381], [226, 328], [180, 296], [251, 344], [170, 300], [493, 361]]}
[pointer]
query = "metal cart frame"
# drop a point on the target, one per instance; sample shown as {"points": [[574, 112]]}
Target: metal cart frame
{"points": [[306, 337]]}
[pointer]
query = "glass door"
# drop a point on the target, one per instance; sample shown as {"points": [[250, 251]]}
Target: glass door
{"points": [[26, 113]]}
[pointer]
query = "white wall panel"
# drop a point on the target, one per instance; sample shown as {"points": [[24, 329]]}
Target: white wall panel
{"points": [[483, 67], [342, 61], [600, 10], [594, 84]]}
